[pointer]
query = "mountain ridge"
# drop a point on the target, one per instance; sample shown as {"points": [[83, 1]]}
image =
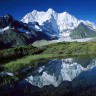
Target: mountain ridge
{"points": [[48, 25], [15, 33], [58, 23]]}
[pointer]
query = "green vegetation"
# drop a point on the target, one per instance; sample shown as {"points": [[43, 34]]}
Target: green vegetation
{"points": [[40, 43], [15, 59], [82, 31], [15, 66], [7, 55]]}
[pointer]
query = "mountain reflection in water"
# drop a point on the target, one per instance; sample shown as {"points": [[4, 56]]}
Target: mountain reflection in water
{"points": [[56, 71]]}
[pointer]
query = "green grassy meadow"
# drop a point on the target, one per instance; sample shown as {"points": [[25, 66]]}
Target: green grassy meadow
{"points": [[14, 59]]}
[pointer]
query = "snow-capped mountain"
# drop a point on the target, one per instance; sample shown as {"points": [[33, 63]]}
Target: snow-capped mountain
{"points": [[16, 33], [48, 25], [57, 71], [59, 24]]}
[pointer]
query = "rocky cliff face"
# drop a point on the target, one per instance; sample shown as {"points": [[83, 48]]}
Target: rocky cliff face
{"points": [[16, 33]]}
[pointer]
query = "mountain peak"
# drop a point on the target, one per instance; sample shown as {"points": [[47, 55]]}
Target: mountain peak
{"points": [[6, 20], [34, 11], [53, 22], [50, 10], [8, 16], [66, 13]]}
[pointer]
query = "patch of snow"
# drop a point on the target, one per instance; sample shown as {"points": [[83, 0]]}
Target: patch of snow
{"points": [[4, 29], [92, 64], [68, 39], [6, 74]]}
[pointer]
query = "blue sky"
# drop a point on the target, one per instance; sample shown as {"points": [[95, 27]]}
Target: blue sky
{"points": [[82, 9]]}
